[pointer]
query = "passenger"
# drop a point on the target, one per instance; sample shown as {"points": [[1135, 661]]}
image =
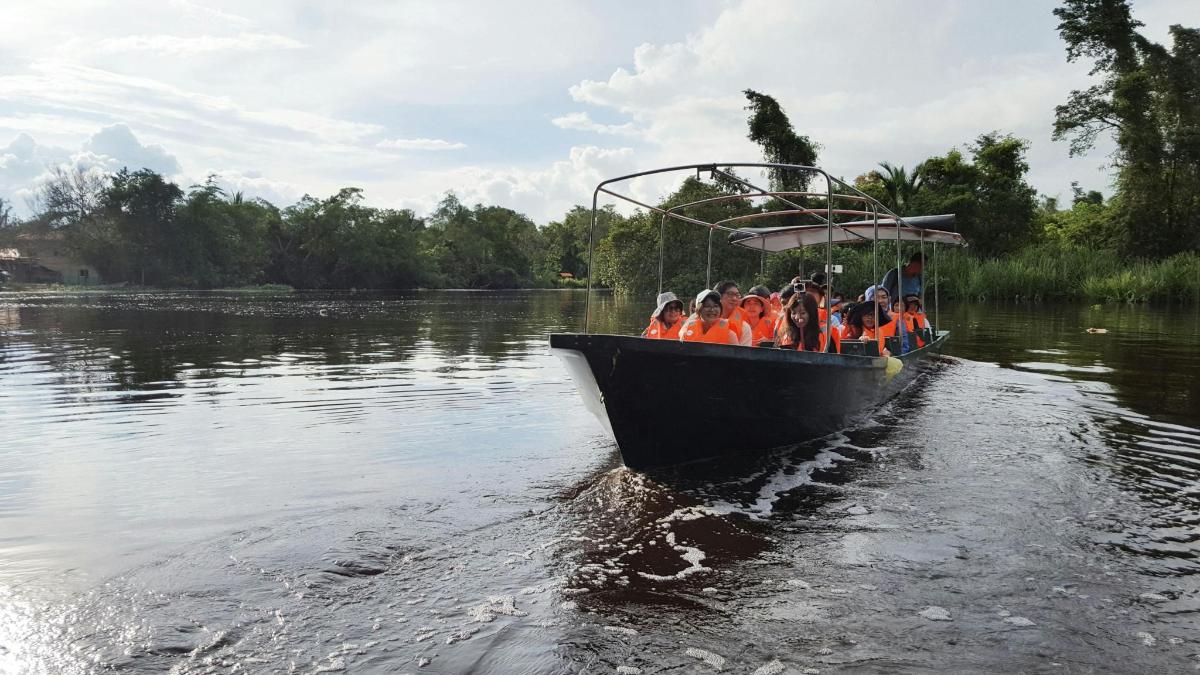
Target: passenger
{"points": [[817, 291], [667, 318], [914, 319], [838, 303], [764, 293], [762, 327], [731, 298], [796, 328], [860, 325], [880, 296], [706, 325], [776, 305]]}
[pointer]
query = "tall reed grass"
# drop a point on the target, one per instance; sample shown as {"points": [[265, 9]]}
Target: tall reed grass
{"points": [[1051, 272], [1037, 273]]}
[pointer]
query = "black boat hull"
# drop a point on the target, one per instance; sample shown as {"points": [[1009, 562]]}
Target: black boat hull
{"points": [[668, 402]]}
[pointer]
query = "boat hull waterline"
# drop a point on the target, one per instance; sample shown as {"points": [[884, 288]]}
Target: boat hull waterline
{"points": [[667, 402]]}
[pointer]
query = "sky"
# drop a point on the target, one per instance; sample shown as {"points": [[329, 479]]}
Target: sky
{"points": [[522, 104]]}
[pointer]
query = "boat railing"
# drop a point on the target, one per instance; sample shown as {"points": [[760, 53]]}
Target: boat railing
{"points": [[870, 208]]}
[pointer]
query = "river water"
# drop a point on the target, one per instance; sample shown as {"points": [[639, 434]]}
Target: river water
{"points": [[364, 483]]}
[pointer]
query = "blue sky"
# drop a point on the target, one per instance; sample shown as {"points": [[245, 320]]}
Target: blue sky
{"points": [[528, 104]]}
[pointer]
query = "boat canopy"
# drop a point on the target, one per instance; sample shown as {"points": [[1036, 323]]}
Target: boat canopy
{"points": [[914, 228]]}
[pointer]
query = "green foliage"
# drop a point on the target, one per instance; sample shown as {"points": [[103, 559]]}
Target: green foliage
{"points": [[994, 205], [1148, 99], [771, 129], [899, 187]]}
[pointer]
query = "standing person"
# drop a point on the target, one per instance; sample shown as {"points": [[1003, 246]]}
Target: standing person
{"points": [[706, 325], [911, 278], [731, 310], [666, 319]]}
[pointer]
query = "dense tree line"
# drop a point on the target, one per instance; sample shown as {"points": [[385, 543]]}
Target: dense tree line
{"points": [[137, 226]]}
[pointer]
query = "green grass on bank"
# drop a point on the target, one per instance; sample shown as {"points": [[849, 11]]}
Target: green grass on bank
{"points": [[1056, 272]]}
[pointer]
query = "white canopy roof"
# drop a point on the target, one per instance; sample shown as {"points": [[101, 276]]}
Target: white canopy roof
{"points": [[775, 239]]}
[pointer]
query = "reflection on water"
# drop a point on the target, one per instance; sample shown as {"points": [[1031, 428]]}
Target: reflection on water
{"points": [[376, 483]]}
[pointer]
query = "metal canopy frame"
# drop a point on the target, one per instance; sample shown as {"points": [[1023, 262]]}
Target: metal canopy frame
{"points": [[871, 211]]}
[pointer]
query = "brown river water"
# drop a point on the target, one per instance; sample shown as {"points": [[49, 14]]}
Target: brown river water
{"points": [[408, 483]]}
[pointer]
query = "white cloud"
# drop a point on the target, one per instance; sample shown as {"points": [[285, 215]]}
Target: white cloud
{"points": [[117, 147], [175, 45], [419, 144], [580, 121]]}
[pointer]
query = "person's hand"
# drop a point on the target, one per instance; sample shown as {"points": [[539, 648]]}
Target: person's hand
{"points": [[864, 338]]}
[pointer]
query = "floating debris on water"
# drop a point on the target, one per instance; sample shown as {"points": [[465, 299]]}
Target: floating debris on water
{"points": [[715, 660], [857, 510], [935, 613], [1147, 639], [773, 668], [798, 583], [495, 605], [1018, 621], [1153, 597]]}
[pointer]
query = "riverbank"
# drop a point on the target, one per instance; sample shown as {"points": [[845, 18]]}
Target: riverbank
{"points": [[1035, 274]]}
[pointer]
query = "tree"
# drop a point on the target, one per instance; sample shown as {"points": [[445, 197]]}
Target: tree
{"points": [[993, 203], [139, 209], [899, 186], [771, 129], [1149, 100]]}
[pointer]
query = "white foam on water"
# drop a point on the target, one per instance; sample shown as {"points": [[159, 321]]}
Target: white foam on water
{"points": [[496, 605], [773, 668], [839, 591], [1018, 621], [628, 670], [569, 605], [798, 583], [857, 510], [688, 513], [935, 613], [620, 629], [715, 660], [1147, 639], [1153, 597], [459, 636], [783, 482], [690, 554]]}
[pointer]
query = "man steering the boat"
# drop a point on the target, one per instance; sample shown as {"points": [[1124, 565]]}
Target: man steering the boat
{"points": [[911, 278]]}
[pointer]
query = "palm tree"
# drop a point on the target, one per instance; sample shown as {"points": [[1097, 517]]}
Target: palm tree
{"points": [[899, 185]]}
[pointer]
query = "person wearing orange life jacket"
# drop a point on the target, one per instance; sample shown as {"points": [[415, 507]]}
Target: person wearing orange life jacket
{"points": [[667, 318], [731, 298], [860, 325], [761, 325], [798, 328], [914, 319], [706, 325]]}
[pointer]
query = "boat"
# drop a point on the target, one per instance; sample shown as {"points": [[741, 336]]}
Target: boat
{"points": [[667, 402]]}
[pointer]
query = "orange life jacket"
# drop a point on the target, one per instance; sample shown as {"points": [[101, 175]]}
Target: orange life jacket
{"points": [[737, 319], [783, 339], [657, 330], [763, 330], [914, 323], [885, 331], [719, 333]]}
